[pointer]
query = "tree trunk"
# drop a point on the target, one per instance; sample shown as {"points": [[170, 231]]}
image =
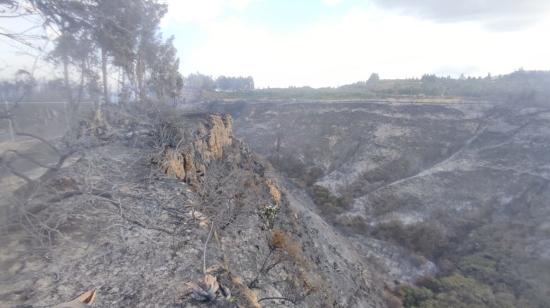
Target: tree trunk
{"points": [[278, 148], [68, 106], [66, 79], [139, 75], [104, 73], [81, 86], [10, 123]]}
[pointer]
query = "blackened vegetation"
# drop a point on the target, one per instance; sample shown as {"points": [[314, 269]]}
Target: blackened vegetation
{"points": [[113, 221], [459, 182]]}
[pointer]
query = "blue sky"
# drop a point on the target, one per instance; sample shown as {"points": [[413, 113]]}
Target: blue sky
{"points": [[334, 42]]}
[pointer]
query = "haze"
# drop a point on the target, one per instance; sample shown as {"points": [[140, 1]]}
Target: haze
{"points": [[262, 153], [334, 42]]}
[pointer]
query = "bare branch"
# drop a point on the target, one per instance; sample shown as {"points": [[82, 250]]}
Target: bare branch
{"points": [[10, 168], [32, 160], [204, 250], [277, 298], [49, 144]]}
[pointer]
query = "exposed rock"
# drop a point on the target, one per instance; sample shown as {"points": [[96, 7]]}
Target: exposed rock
{"points": [[189, 160], [220, 134]]}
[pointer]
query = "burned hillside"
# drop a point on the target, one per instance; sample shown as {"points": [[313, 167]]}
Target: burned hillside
{"points": [[149, 209], [441, 194]]}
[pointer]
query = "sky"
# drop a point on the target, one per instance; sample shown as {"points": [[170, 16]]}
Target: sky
{"points": [[334, 42], [327, 43]]}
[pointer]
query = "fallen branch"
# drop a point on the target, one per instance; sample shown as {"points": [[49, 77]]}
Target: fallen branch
{"points": [[130, 220], [204, 250], [46, 142], [9, 167], [32, 160], [65, 196], [276, 298], [254, 281]]}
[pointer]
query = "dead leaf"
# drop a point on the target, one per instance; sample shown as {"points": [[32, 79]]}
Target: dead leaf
{"points": [[84, 300], [197, 215], [225, 291], [196, 292], [205, 291], [214, 269], [211, 283]]}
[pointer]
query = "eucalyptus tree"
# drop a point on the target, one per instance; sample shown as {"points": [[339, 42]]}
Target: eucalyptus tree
{"points": [[165, 80], [120, 33]]}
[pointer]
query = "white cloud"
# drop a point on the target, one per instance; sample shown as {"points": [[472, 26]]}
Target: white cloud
{"points": [[192, 11], [202, 11], [495, 14], [241, 4], [350, 48], [332, 2]]}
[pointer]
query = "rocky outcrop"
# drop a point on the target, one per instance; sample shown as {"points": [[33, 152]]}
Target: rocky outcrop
{"points": [[220, 135], [188, 161]]}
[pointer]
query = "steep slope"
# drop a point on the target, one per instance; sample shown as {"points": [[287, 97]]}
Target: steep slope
{"points": [[423, 188], [151, 208]]}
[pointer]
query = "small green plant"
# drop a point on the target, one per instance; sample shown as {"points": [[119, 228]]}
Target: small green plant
{"points": [[268, 213], [413, 297]]}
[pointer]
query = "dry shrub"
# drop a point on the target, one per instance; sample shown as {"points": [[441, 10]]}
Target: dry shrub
{"points": [[274, 191], [426, 238], [166, 132], [248, 295], [280, 240], [282, 248], [173, 164], [310, 282], [391, 300]]}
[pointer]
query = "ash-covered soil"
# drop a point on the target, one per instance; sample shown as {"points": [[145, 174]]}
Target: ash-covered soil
{"points": [[363, 200], [415, 183], [117, 220]]}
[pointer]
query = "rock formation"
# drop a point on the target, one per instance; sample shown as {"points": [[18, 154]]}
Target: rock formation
{"points": [[188, 162]]}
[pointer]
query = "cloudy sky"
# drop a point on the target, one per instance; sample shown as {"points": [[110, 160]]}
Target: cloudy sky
{"points": [[333, 42]]}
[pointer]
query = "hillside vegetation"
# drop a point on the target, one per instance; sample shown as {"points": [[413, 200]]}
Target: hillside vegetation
{"points": [[520, 85]]}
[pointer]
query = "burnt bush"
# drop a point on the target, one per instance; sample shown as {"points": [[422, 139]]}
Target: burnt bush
{"points": [[327, 202], [427, 239]]}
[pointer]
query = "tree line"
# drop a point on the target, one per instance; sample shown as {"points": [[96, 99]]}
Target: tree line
{"points": [[521, 84], [221, 83]]}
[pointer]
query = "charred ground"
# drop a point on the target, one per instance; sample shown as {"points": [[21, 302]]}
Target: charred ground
{"points": [[151, 205], [447, 195]]}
